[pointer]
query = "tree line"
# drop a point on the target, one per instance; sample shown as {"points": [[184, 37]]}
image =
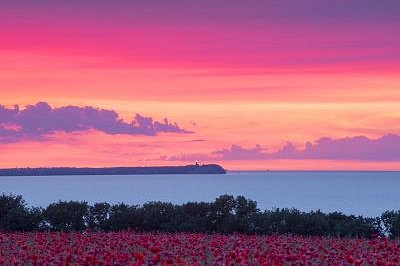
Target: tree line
{"points": [[226, 214]]}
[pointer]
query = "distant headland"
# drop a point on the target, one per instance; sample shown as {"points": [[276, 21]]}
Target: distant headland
{"points": [[146, 170]]}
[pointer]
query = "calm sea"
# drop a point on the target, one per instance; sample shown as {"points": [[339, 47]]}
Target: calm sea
{"points": [[360, 193]]}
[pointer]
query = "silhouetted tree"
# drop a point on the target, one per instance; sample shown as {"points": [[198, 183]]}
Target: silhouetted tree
{"points": [[15, 216], [391, 222], [66, 216], [123, 216], [98, 216], [158, 216]]}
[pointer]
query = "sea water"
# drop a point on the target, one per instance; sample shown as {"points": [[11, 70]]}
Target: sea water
{"points": [[359, 193]]}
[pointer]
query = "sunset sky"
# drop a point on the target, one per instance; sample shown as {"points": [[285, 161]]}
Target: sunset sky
{"points": [[288, 84]]}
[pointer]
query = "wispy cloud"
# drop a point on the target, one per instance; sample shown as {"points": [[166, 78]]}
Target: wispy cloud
{"points": [[385, 148], [37, 121]]}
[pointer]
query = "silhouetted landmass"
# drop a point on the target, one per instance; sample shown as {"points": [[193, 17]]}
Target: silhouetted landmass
{"points": [[153, 170]]}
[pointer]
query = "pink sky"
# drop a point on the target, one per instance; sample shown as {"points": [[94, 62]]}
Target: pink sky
{"points": [[225, 73]]}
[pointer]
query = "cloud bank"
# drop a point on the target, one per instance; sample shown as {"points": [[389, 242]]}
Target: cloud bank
{"points": [[37, 121], [385, 148]]}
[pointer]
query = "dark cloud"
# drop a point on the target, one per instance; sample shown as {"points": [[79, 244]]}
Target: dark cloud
{"points": [[39, 120], [236, 152], [385, 148]]}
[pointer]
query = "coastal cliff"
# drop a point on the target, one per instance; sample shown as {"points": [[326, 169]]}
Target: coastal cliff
{"points": [[151, 170]]}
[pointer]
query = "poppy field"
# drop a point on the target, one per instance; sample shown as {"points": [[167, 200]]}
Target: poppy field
{"points": [[129, 248]]}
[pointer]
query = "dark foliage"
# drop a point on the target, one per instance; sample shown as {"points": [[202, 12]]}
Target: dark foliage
{"points": [[227, 214], [391, 223], [15, 216], [66, 216]]}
